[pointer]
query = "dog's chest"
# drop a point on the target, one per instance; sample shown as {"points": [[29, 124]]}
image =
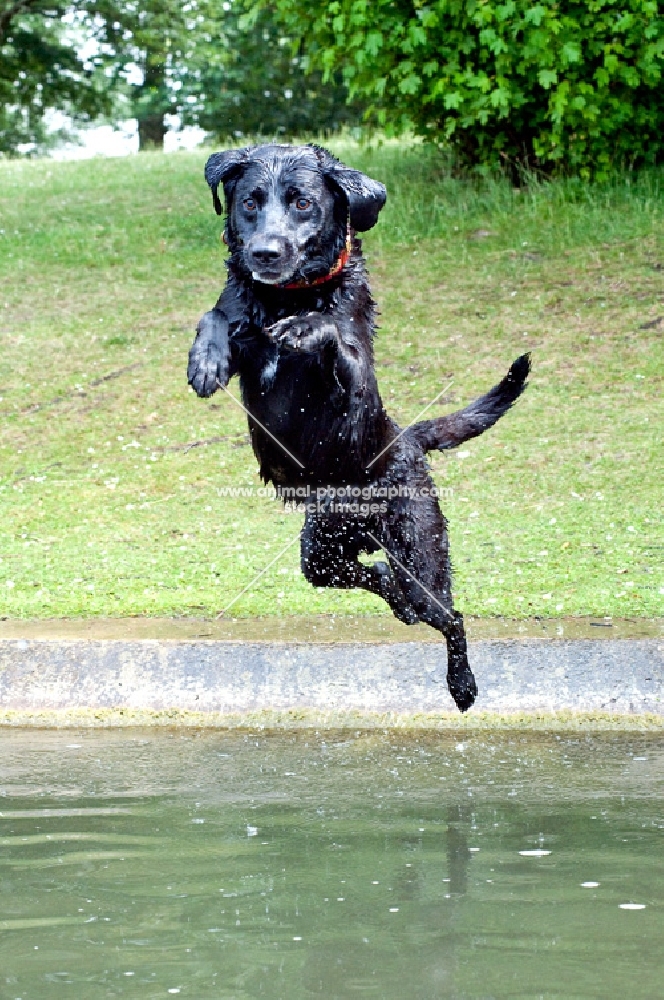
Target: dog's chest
{"points": [[287, 390]]}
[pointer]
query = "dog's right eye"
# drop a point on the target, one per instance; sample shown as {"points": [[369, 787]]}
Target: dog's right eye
{"points": [[249, 204]]}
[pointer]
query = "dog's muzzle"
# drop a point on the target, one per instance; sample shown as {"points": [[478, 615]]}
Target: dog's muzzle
{"points": [[271, 260]]}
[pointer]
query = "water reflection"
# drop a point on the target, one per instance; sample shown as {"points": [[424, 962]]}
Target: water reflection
{"points": [[456, 846], [261, 865]]}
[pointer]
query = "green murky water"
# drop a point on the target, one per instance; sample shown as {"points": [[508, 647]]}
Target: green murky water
{"points": [[340, 865]]}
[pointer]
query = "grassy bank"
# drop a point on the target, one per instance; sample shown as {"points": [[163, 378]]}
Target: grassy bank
{"points": [[110, 469]]}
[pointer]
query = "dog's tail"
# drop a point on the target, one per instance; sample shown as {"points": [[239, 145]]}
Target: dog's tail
{"points": [[455, 428]]}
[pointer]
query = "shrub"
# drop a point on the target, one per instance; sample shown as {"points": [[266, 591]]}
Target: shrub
{"points": [[550, 84]]}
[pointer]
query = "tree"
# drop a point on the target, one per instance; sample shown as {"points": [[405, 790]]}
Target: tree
{"points": [[231, 74], [40, 69], [243, 75], [42, 66], [150, 38], [205, 60], [548, 84]]}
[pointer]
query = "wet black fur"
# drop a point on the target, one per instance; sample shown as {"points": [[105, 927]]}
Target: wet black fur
{"points": [[305, 361]]}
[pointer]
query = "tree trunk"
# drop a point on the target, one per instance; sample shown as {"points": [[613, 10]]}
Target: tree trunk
{"points": [[151, 132]]}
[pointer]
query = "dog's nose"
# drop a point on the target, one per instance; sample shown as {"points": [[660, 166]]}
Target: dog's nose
{"points": [[270, 257], [268, 252]]}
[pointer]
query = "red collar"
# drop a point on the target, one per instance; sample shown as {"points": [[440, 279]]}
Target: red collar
{"points": [[336, 268]]}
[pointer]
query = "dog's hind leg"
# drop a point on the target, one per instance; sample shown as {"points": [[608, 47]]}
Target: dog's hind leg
{"points": [[329, 552], [417, 545], [460, 678]]}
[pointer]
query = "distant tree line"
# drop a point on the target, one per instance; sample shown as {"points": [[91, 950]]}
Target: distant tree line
{"points": [[545, 85]]}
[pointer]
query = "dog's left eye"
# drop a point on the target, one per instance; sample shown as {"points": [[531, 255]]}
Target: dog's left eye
{"points": [[302, 204], [249, 204]]}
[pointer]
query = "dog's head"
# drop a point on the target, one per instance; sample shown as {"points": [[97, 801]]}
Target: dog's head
{"points": [[288, 208]]}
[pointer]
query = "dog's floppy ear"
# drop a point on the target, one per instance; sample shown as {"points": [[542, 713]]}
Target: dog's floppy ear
{"points": [[224, 168], [365, 196]]}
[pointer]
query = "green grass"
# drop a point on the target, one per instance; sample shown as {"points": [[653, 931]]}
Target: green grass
{"points": [[110, 467]]}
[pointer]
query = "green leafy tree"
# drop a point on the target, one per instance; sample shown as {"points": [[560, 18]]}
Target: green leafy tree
{"points": [[230, 73], [573, 84], [243, 75], [41, 68], [207, 61], [152, 37], [138, 57]]}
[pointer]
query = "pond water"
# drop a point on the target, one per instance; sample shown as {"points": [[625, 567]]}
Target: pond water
{"points": [[391, 865]]}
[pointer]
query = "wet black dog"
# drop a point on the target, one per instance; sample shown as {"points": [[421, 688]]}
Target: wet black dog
{"points": [[296, 322]]}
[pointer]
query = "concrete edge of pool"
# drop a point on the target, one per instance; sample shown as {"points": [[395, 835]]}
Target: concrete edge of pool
{"points": [[563, 683]]}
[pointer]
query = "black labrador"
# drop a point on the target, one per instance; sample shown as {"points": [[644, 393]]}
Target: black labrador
{"points": [[296, 322]]}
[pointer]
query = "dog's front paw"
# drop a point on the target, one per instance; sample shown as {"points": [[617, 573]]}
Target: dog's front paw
{"points": [[298, 333], [207, 368]]}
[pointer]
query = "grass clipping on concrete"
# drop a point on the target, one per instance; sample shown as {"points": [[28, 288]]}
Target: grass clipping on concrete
{"points": [[112, 473]]}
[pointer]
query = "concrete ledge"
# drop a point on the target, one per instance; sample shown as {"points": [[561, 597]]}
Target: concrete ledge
{"points": [[42, 678]]}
